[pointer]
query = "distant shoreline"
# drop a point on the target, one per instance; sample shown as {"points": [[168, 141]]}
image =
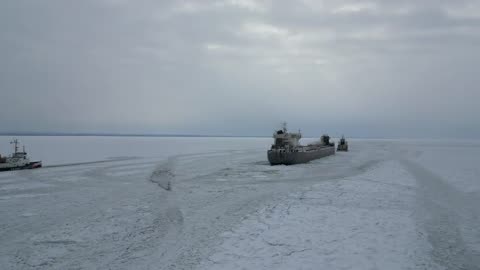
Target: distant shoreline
{"points": [[126, 135], [13, 134]]}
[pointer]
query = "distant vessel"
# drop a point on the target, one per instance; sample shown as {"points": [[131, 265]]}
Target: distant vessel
{"points": [[18, 160], [288, 151], [342, 145]]}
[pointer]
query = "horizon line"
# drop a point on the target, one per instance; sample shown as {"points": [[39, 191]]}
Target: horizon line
{"points": [[160, 135], [113, 134]]}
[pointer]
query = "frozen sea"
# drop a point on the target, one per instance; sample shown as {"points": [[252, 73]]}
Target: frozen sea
{"points": [[216, 203]]}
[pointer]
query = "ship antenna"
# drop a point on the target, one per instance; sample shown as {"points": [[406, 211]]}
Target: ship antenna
{"points": [[15, 142], [285, 127]]}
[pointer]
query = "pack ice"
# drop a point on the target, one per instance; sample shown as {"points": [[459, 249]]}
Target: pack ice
{"points": [[216, 203]]}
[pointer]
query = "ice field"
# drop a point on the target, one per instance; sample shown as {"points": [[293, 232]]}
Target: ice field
{"points": [[216, 203]]}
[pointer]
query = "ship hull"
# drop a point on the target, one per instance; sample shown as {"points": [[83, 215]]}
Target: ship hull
{"points": [[291, 158], [31, 165]]}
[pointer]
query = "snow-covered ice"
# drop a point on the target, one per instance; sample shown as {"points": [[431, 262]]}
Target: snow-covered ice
{"points": [[215, 203], [358, 222]]}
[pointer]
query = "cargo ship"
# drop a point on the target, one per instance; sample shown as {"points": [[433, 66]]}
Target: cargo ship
{"points": [[287, 150], [18, 160]]}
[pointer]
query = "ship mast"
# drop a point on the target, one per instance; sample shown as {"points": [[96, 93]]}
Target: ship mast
{"points": [[15, 142]]}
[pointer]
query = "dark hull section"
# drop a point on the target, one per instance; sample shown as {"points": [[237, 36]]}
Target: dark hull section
{"points": [[32, 165], [290, 158]]}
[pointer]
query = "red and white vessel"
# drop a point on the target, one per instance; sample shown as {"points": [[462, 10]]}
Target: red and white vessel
{"points": [[18, 160]]}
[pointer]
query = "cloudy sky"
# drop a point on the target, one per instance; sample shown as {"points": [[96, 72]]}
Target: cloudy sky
{"points": [[240, 67]]}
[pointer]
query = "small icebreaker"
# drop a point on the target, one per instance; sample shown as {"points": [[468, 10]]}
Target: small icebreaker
{"points": [[18, 160]]}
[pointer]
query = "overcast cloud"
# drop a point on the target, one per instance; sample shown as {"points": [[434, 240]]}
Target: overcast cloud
{"points": [[364, 68]]}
